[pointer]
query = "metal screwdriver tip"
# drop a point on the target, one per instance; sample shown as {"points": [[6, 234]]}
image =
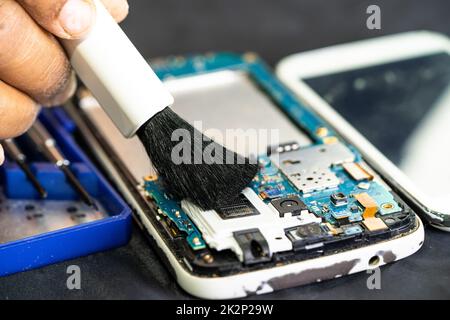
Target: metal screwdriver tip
{"points": [[34, 181], [84, 195], [15, 153]]}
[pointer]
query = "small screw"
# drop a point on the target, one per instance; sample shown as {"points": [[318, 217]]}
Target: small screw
{"points": [[208, 258]]}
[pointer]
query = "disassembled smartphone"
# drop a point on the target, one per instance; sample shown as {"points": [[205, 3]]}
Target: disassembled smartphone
{"points": [[396, 91], [316, 210]]}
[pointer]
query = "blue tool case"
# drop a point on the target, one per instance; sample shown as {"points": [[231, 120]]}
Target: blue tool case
{"points": [[35, 232]]}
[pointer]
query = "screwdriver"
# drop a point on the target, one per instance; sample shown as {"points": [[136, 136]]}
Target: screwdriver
{"points": [[47, 146], [14, 153]]}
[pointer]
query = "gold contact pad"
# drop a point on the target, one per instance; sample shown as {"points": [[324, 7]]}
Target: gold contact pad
{"points": [[374, 224], [369, 204], [356, 171]]}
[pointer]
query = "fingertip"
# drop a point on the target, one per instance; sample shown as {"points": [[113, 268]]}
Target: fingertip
{"points": [[76, 18], [117, 8], [17, 111], [71, 19], [63, 93]]}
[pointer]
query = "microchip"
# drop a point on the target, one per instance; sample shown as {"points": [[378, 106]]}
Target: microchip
{"points": [[339, 199], [239, 208], [342, 221], [342, 217], [271, 193], [290, 204]]}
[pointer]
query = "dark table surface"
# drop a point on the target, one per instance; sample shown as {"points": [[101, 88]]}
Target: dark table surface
{"points": [[135, 272], [273, 29]]}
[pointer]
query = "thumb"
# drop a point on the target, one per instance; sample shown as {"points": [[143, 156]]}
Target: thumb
{"points": [[70, 19]]}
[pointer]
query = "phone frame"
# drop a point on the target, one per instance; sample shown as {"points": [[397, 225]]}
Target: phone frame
{"points": [[356, 55]]}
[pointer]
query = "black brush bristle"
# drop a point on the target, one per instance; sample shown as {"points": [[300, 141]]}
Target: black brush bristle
{"points": [[209, 184]]}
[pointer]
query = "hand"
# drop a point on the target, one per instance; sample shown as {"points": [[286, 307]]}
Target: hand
{"points": [[34, 70]]}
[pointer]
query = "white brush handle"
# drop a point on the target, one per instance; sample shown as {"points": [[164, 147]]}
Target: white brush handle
{"points": [[117, 75]]}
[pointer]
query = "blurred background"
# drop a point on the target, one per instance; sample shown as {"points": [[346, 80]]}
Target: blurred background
{"points": [[272, 28]]}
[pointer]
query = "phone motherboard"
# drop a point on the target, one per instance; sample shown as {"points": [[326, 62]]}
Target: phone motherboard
{"points": [[312, 196], [303, 200]]}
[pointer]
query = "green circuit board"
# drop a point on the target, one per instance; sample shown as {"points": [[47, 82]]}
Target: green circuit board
{"points": [[271, 184], [171, 209]]}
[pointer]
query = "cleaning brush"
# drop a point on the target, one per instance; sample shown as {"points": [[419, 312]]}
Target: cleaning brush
{"points": [[138, 103]]}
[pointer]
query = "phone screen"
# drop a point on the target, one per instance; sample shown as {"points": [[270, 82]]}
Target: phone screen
{"points": [[403, 108]]}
